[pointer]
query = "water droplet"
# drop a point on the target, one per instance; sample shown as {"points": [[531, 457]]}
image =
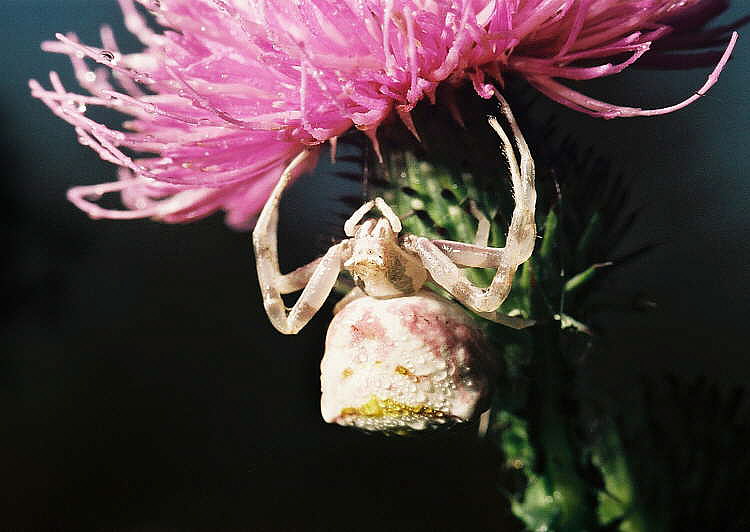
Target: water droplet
{"points": [[90, 76], [81, 108]]}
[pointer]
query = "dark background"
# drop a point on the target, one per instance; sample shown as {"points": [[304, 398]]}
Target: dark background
{"points": [[143, 388]]}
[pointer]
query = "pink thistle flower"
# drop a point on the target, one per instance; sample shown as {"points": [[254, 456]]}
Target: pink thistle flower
{"points": [[231, 90]]}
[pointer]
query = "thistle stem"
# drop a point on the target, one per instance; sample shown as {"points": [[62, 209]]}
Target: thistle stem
{"points": [[559, 460]]}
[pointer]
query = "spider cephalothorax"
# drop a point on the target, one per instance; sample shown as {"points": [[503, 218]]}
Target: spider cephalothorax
{"points": [[397, 356], [377, 262]]}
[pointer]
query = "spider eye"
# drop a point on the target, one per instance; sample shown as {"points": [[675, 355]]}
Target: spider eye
{"points": [[369, 252]]}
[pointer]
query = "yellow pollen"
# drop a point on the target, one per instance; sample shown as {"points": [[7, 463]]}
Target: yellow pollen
{"points": [[401, 370], [377, 407]]}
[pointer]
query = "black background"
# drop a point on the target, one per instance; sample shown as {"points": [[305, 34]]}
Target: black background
{"points": [[142, 387]]}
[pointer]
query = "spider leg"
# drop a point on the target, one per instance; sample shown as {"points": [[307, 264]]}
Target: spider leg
{"points": [[483, 225], [320, 275], [441, 257], [385, 209], [476, 255], [296, 280], [355, 218], [445, 273], [312, 297], [522, 231], [469, 255], [391, 216], [514, 322], [484, 423]]}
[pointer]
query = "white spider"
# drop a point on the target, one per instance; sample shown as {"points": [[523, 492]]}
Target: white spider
{"points": [[381, 370]]}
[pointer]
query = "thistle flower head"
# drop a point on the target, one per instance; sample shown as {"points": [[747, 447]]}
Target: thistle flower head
{"points": [[229, 91]]}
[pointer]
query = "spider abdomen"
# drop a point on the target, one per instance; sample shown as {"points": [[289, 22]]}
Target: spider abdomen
{"points": [[406, 363]]}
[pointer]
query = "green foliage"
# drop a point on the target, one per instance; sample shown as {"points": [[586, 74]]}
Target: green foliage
{"points": [[687, 458]]}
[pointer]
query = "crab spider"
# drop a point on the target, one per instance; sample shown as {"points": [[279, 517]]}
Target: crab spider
{"points": [[385, 263]]}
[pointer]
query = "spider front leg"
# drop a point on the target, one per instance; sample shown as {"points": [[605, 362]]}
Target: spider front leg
{"points": [[442, 257], [317, 278], [483, 301], [483, 225]]}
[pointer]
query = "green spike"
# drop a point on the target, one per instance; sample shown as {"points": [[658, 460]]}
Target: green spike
{"points": [[546, 250], [581, 279], [592, 231]]}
